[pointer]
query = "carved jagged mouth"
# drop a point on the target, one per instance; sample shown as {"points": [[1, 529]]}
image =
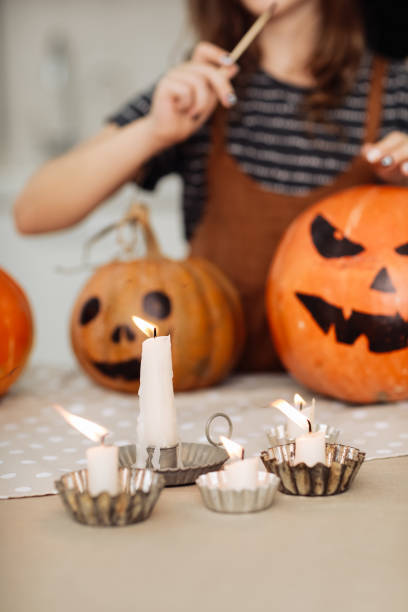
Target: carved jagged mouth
{"points": [[384, 333], [129, 370]]}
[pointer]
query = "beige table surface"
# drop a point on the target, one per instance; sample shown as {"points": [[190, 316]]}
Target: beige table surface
{"points": [[347, 552]]}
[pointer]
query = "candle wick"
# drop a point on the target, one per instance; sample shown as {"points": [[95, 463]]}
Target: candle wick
{"points": [[243, 454], [103, 439], [310, 425], [154, 333]]}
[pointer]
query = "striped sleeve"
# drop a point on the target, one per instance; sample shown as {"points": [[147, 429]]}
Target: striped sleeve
{"points": [[165, 163]]}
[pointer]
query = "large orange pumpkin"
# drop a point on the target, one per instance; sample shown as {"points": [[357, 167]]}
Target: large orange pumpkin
{"points": [[192, 300], [16, 330], [337, 295]]}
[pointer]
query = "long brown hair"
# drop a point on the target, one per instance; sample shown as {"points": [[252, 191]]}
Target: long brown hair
{"points": [[333, 64]]}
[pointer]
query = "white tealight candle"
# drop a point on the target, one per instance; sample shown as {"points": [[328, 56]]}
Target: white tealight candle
{"points": [[242, 474], [103, 472], [310, 449], [293, 429], [157, 425]]}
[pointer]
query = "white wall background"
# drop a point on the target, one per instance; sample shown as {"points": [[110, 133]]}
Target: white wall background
{"points": [[51, 98]]}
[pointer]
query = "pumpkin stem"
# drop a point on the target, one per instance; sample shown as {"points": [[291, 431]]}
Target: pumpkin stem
{"points": [[138, 214]]}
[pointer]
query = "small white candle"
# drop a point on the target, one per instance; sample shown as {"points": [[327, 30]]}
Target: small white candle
{"points": [[293, 429], [157, 423], [310, 449], [242, 474], [103, 472]]}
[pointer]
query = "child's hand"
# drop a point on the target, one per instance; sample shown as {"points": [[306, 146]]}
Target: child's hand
{"points": [[188, 94], [389, 158]]}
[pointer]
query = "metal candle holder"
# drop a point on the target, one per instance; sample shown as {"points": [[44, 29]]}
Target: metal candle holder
{"points": [[183, 463], [278, 435], [139, 491], [217, 497], [343, 464]]}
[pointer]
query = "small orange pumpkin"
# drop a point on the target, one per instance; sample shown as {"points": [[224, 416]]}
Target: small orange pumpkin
{"points": [[16, 330], [191, 299], [337, 295]]}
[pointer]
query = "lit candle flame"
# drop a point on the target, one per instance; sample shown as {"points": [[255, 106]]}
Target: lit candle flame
{"points": [[235, 450], [91, 430], [292, 413], [299, 401], [147, 328]]}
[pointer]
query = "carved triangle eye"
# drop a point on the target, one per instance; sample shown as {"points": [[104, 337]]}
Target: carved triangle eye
{"points": [[402, 249], [329, 241]]}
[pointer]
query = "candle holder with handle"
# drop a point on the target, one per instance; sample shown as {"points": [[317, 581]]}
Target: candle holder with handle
{"points": [[139, 491], [336, 476], [183, 463]]}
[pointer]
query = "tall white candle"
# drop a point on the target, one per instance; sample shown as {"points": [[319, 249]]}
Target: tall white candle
{"points": [[310, 449], [103, 472], [242, 474], [157, 424]]}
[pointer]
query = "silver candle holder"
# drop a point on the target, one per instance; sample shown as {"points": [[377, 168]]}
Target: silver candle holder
{"points": [[182, 463], [139, 491], [179, 465], [218, 497], [336, 476]]}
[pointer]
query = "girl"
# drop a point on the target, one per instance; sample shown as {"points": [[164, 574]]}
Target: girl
{"points": [[309, 111]]}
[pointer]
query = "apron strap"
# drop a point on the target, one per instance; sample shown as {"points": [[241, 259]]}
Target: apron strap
{"points": [[218, 127], [374, 103]]}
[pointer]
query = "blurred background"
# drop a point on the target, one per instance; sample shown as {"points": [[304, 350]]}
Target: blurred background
{"points": [[64, 67]]}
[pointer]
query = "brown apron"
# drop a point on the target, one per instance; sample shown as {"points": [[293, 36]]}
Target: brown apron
{"points": [[243, 222]]}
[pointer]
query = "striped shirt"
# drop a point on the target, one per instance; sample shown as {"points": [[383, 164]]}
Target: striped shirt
{"points": [[272, 141]]}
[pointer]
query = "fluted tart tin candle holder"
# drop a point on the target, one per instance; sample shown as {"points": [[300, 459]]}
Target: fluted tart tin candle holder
{"points": [[343, 464], [139, 491], [218, 497], [278, 435]]}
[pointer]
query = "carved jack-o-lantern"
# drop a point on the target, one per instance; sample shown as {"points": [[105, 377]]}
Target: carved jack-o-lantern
{"points": [[337, 295], [190, 299]]}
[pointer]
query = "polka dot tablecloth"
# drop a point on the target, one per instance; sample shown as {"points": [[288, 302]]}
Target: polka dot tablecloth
{"points": [[37, 446]]}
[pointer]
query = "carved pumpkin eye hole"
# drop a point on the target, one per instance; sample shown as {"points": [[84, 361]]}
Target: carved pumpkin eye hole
{"points": [[157, 304], [330, 242], [89, 310], [403, 249]]}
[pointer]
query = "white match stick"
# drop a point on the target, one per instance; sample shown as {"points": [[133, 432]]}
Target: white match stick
{"points": [[253, 31]]}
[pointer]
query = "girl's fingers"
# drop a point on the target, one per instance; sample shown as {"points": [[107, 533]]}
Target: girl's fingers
{"points": [[382, 152], [218, 80], [203, 95], [206, 52], [181, 91]]}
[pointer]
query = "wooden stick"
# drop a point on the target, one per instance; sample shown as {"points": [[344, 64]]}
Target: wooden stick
{"points": [[253, 31]]}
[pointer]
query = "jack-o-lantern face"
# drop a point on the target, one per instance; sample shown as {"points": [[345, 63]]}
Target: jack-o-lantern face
{"points": [[105, 339], [337, 295], [155, 305]]}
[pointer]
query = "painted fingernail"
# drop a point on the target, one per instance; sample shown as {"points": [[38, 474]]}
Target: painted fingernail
{"points": [[373, 155], [387, 161], [226, 60], [231, 98], [404, 168]]}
